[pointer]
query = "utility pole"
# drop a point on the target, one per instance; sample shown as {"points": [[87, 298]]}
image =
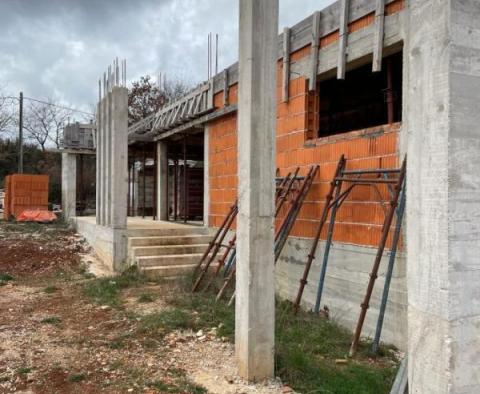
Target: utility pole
{"points": [[20, 135]]}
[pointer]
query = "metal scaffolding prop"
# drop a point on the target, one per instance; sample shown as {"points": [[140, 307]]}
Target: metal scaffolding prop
{"points": [[333, 201], [290, 195]]}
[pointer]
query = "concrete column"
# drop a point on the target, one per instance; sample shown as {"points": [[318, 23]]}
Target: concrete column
{"points": [[206, 178], [103, 163], [162, 179], [98, 150], [255, 301], [69, 185], [118, 158], [443, 215]]}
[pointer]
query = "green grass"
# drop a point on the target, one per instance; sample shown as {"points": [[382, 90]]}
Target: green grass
{"points": [[166, 321], [208, 312], [306, 347], [51, 320], [6, 277], [106, 291], [50, 289], [145, 297], [178, 384], [24, 370], [76, 377]]}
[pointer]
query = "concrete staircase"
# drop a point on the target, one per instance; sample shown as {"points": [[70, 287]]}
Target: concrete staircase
{"points": [[167, 253]]}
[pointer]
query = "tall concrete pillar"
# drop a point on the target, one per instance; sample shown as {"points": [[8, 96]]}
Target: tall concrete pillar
{"points": [[162, 181], [206, 178], [441, 125], [69, 185], [118, 158], [255, 301]]}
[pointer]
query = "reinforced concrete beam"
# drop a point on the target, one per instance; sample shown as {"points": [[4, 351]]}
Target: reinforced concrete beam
{"points": [[441, 127], [255, 301]]}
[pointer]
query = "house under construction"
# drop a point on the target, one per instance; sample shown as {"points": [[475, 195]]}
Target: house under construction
{"points": [[366, 80]]}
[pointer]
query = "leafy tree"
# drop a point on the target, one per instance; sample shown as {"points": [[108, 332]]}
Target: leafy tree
{"points": [[146, 97]]}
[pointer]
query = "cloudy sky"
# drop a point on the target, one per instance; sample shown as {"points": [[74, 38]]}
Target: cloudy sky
{"points": [[59, 48]]}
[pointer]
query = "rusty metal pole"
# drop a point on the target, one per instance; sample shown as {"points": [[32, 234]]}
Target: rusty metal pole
{"points": [[212, 243], [328, 243], [323, 219], [216, 248], [378, 258]]}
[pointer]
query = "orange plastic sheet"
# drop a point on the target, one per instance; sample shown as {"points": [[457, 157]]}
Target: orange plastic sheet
{"points": [[38, 215]]}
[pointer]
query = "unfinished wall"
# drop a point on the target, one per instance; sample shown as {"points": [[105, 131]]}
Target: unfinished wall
{"points": [[359, 221]]}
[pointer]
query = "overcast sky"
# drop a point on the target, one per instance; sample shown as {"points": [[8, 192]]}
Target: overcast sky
{"points": [[59, 48]]}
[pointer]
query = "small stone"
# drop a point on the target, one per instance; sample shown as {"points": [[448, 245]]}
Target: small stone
{"points": [[199, 333]]}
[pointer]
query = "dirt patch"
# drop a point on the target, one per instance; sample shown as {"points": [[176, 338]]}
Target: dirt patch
{"points": [[54, 339], [34, 254]]}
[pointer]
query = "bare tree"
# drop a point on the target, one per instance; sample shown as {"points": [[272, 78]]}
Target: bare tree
{"points": [[6, 113], [44, 123]]}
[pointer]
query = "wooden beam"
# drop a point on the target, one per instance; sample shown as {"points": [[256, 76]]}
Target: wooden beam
{"points": [[312, 82], [378, 36], [342, 39], [226, 87], [286, 64]]}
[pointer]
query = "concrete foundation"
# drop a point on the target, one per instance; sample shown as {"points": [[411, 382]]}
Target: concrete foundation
{"points": [[255, 301], [69, 185], [443, 210], [346, 281]]}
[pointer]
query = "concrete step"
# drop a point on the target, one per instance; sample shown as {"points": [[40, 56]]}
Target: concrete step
{"points": [[169, 240], [169, 272], [158, 232], [163, 250], [168, 260]]}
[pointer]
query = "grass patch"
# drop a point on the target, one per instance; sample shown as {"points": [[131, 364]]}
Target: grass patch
{"points": [[178, 384], [50, 289], [51, 320], [307, 348], [207, 312], [166, 321], [145, 297], [6, 277], [106, 291], [76, 377], [24, 370]]}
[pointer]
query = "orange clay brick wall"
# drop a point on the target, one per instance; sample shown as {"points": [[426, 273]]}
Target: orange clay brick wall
{"points": [[360, 219]]}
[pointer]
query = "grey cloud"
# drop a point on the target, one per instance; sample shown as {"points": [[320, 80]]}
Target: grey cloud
{"points": [[59, 48]]}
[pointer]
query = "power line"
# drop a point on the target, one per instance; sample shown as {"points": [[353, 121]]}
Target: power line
{"points": [[51, 104]]}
